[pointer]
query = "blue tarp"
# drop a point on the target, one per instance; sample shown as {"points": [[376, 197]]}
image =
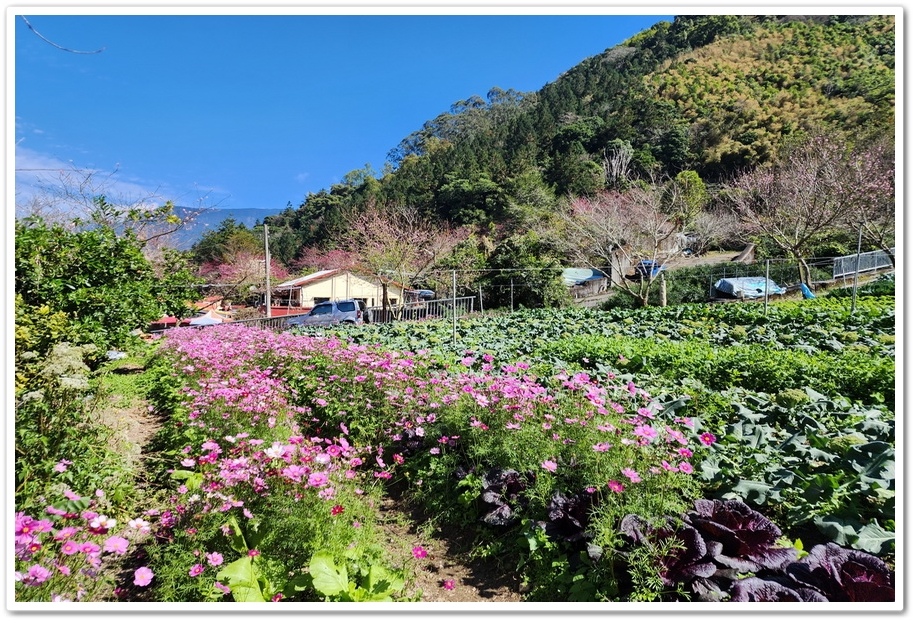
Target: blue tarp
{"points": [[748, 287], [578, 276]]}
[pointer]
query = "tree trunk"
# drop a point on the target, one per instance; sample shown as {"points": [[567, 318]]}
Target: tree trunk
{"points": [[385, 307], [804, 273], [890, 256], [662, 291]]}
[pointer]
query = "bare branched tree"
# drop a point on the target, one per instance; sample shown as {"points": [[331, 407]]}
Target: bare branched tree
{"points": [[712, 228], [396, 243], [614, 232], [801, 198], [79, 198], [616, 163]]}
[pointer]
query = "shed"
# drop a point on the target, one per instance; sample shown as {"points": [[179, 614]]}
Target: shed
{"points": [[584, 281]]}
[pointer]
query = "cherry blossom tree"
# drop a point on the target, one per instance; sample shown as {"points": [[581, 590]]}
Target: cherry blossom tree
{"points": [[396, 243], [240, 272], [871, 195], [315, 258], [815, 188], [615, 231]]}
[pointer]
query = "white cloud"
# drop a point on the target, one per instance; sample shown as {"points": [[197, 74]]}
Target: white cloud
{"points": [[68, 187]]}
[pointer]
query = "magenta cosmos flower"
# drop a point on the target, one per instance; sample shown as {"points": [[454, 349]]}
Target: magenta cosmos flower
{"points": [[615, 486], [707, 439]]}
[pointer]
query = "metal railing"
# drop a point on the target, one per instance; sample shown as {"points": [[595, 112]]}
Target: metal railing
{"points": [[424, 310], [861, 263], [275, 323]]}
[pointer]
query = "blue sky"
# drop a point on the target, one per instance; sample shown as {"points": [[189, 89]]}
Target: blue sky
{"points": [[256, 111]]}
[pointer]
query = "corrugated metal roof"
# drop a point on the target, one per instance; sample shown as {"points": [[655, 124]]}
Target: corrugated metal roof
{"points": [[301, 281]]}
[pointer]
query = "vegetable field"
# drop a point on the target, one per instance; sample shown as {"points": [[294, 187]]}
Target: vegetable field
{"points": [[694, 453]]}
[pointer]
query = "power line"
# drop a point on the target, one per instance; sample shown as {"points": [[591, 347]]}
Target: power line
{"points": [[59, 47]]}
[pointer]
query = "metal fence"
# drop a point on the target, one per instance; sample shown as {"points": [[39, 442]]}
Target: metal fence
{"points": [[424, 310], [862, 263], [275, 323]]}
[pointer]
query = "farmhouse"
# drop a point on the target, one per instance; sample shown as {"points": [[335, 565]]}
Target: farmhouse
{"points": [[303, 293]]}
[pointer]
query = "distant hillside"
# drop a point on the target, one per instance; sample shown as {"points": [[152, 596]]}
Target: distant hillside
{"points": [[199, 222]]}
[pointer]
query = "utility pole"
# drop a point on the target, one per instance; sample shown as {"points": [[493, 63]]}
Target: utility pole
{"points": [[266, 272], [855, 278], [454, 308]]}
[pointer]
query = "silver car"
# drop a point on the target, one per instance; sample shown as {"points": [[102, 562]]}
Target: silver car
{"points": [[348, 311]]}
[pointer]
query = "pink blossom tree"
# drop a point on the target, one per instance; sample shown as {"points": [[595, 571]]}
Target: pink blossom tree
{"points": [[814, 189], [871, 195], [396, 243], [614, 231]]}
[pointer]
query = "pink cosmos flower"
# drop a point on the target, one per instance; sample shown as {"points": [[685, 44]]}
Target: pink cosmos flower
{"points": [[707, 439], [549, 465], [69, 548], [143, 576], [615, 486], [338, 509], [646, 432], [116, 545], [90, 548], [632, 474], [448, 585], [685, 467], [214, 559], [419, 552], [225, 589], [601, 447], [36, 576], [196, 570]]}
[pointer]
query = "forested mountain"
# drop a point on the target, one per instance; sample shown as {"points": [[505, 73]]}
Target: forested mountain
{"points": [[702, 98]]}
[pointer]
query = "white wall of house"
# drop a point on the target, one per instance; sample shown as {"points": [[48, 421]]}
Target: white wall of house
{"points": [[345, 285]]}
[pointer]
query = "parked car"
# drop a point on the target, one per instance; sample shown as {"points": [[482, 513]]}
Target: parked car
{"points": [[348, 311]]}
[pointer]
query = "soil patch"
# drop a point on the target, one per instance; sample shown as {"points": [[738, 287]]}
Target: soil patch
{"points": [[447, 564]]}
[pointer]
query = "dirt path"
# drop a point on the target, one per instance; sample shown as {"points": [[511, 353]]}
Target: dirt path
{"points": [[446, 561]]}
